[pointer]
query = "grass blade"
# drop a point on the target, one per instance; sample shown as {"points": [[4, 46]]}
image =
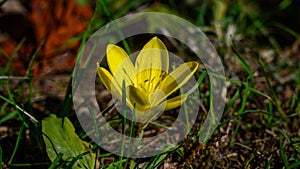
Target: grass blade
{"points": [[131, 135], [243, 63], [277, 102], [20, 109], [294, 165], [56, 161], [17, 143], [200, 18], [242, 108], [282, 154], [124, 118], [110, 17], [286, 29], [199, 81], [8, 116]]}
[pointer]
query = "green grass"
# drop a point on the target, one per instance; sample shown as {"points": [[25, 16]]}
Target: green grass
{"points": [[259, 126]]}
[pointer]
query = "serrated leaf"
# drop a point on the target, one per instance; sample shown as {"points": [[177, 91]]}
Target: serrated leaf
{"points": [[60, 137]]}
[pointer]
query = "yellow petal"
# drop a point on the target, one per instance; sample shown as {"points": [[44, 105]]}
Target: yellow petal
{"points": [[178, 77], [153, 56], [119, 64], [176, 101], [138, 97], [147, 81], [155, 97], [108, 81]]}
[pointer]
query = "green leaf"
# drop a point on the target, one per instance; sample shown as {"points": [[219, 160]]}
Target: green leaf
{"points": [[180, 151], [157, 160], [60, 137], [117, 164], [9, 116]]}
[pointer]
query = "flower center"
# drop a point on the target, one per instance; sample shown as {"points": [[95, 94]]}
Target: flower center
{"points": [[148, 79]]}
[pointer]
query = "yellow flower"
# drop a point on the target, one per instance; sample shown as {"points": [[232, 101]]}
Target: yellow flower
{"points": [[148, 83]]}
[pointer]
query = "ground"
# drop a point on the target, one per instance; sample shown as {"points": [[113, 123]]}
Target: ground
{"points": [[258, 44]]}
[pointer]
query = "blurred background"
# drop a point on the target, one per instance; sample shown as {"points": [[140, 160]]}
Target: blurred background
{"points": [[56, 27], [40, 40]]}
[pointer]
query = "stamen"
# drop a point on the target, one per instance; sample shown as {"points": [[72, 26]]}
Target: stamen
{"points": [[143, 87], [152, 80], [160, 78], [151, 85], [162, 73]]}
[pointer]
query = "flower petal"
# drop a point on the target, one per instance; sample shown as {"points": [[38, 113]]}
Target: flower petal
{"points": [[108, 81], [175, 101], [155, 97], [146, 81], [120, 64], [116, 56], [178, 78], [153, 56], [138, 97]]}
